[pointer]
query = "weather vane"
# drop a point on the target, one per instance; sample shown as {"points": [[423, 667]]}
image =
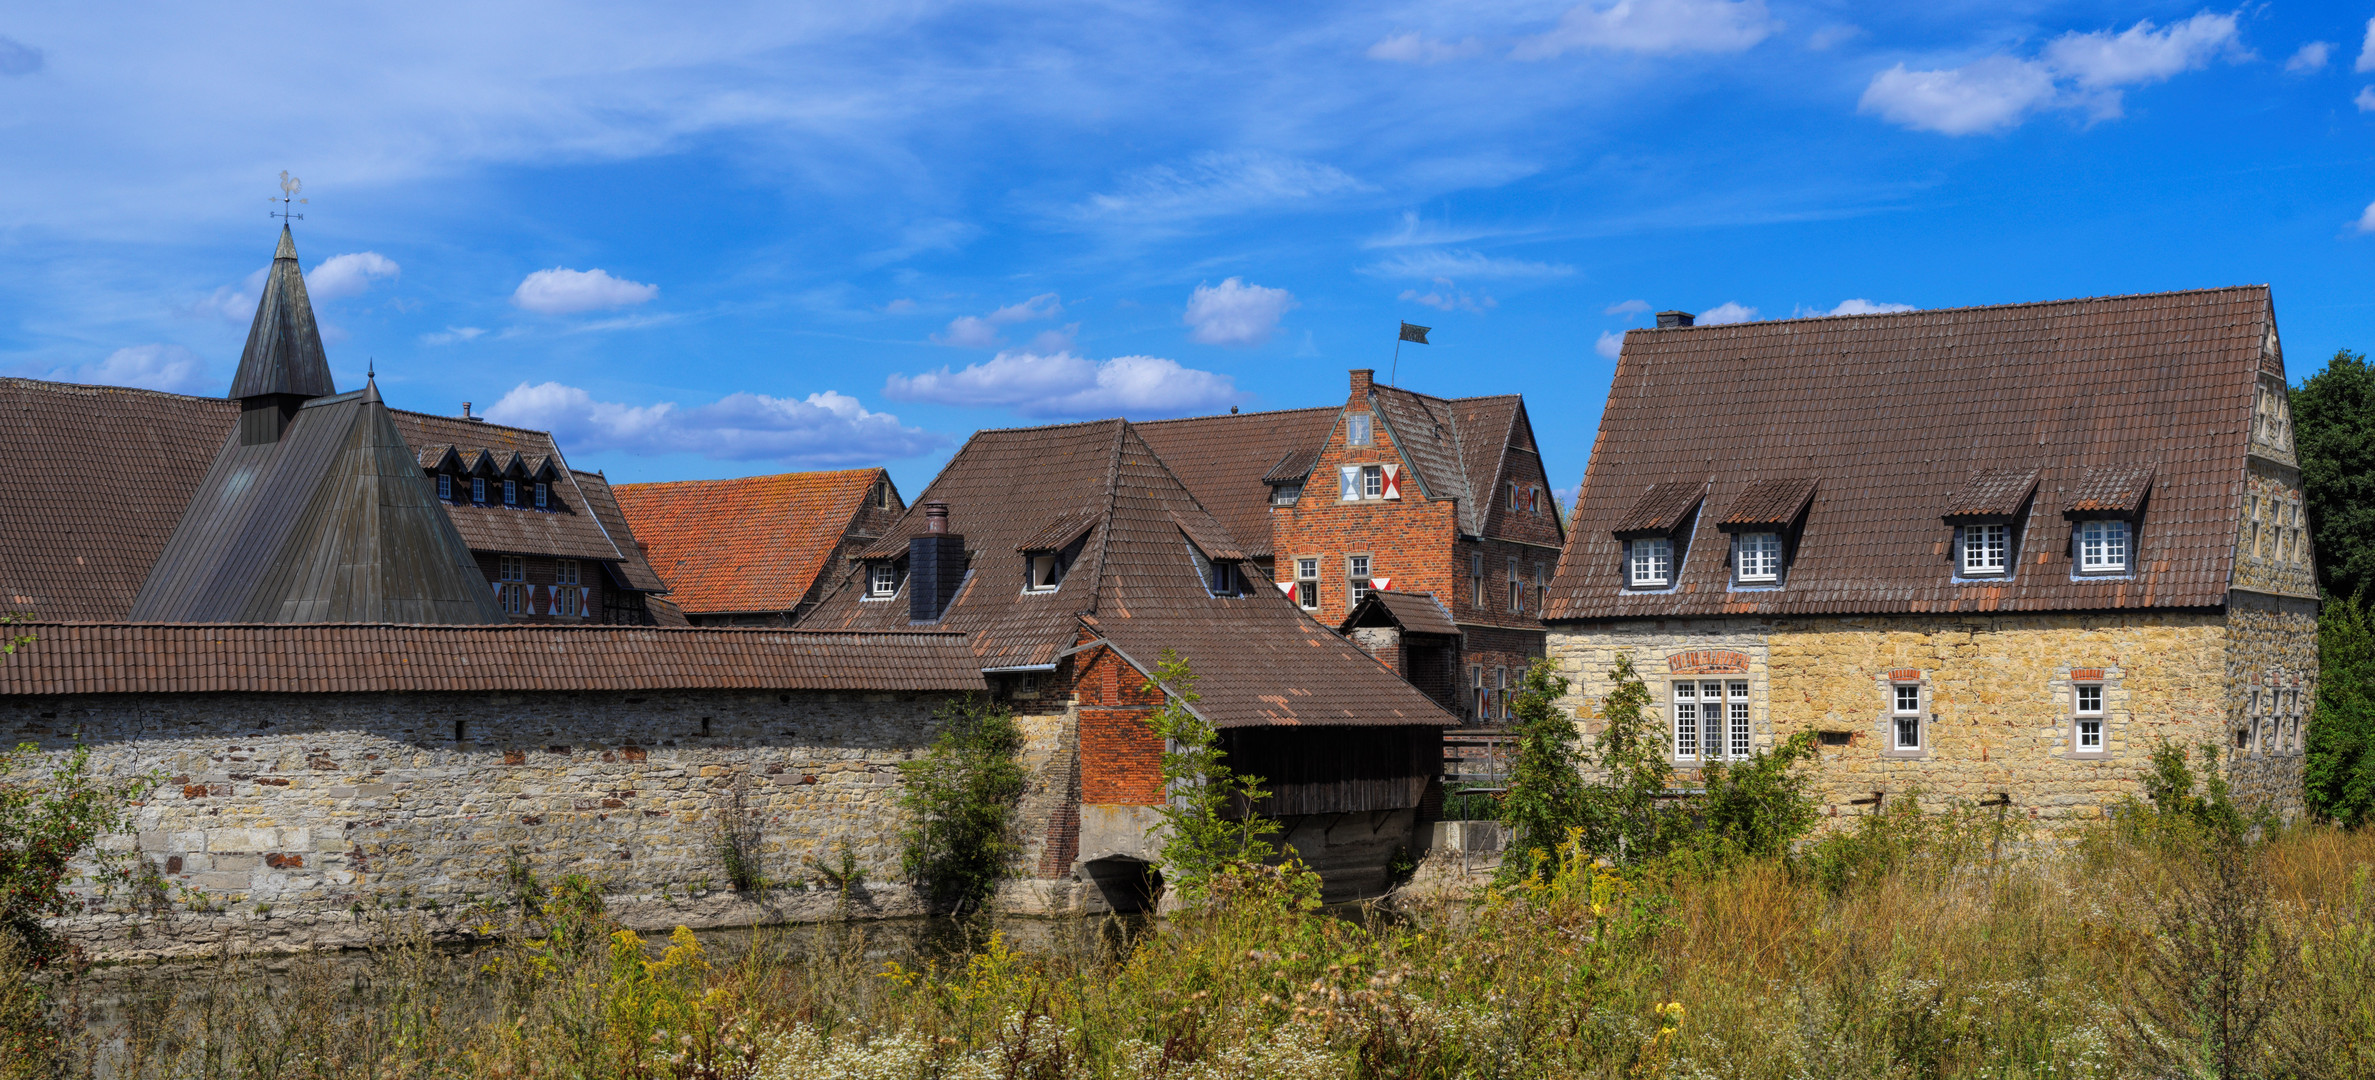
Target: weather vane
{"points": [[289, 187]]}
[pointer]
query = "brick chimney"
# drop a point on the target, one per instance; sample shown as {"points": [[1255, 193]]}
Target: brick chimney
{"points": [[1668, 320], [935, 566], [1362, 379]]}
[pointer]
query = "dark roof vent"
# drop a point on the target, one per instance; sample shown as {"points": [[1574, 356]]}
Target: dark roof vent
{"points": [[1668, 320]]}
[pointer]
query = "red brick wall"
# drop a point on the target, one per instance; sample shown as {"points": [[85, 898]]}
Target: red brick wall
{"points": [[1408, 540], [1106, 681], [1121, 758]]}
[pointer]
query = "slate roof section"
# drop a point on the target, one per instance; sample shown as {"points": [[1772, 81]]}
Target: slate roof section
{"points": [[1259, 659], [1660, 510], [754, 544], [118, 658], [333, 522], [1229, 462], [284, 347], [1768, 505], [2110, 491], [1415, 613], [1894, 413], [97, 476], [1992, 495]]}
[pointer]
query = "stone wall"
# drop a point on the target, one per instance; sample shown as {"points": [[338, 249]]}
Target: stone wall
{"points": [[304, 810], [1997, 695]]}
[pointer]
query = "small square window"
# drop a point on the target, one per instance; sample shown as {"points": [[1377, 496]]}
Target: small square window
{"points": [[1987, 549], [1356, 429], [2089, 707], [1307, 584], [1285, 494], [1651, 562], [1372, 482], [882, 578], [2102, 547], [1044, 572], [1758, 556]]}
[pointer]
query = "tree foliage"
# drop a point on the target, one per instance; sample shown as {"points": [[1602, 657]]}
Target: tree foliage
{"points": [[1627, 815], [2334, 437], [1546, 796], [49, 818], [960, 798], [1212, 827], [2341, 766]]}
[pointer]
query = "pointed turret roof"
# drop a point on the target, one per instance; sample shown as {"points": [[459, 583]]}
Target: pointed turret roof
{"points": [[284, 348]]}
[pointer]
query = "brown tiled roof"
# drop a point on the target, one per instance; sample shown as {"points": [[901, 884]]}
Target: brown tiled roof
{"points": [[1228, 462], [118, 658], [1768, 504], [569, 529], [1455, 445], [634, 570], [1293, 468], [747, 545], [2110, 491], [1259, 658], [97, 477], [1060, 533], [1992, 495], [1416, 613], [1894, 414], [1659, 510]]}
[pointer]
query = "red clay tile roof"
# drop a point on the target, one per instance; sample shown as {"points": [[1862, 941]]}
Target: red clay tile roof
{"points": [[749, 545], [1992, 495], [1768, 504], [1260, 660], [121, 658], [1895, 413], [2110, 491]]}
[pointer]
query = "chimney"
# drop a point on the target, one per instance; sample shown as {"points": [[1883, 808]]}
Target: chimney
{"points": [[473, 419], [1668, 320], [1362, 378], [935, 566]]}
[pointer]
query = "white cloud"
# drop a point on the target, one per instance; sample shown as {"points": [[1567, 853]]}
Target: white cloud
{"points": [[1415, 48], [2366, 221], [1430, 265], [1656, 27], [1985, 95], [2366, 50], [1610, 345], [18, 58], [900, 306], [348, 275], [1999, 92], [452, 334], [981, 331], [1727, 312], [1861, 306], [2366, 99], [561, 291], [826, 429], [156, 367], [1235, 313], [1627, 307], [1065, 385], [1216, 184], [2310, 57], [1830, 36], [1450, 297]]}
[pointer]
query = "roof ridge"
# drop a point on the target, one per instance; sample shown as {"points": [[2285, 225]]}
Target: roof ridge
{"points": [[1113, 498], [477, 422], [1220, 416], [6, 379], [1955, 310], [871, 469]]}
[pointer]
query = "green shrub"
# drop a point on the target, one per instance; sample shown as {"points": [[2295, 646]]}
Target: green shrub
{"points": [[48, 820], [1630, 816], [1213, 829], [1546, 797], [1757, 807], [2340, 774], [960, 798]]}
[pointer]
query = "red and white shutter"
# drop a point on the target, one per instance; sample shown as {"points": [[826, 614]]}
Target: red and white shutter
{"points": [[585, 602], [1381, 584], [1351, 475], [1286, 587], [1393, 484]]}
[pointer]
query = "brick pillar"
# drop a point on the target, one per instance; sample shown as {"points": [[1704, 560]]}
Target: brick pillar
{"points": [[1361, 379]]}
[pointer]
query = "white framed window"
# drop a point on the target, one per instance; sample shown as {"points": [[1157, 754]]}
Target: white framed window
{"points": [[1044, 572], [1356, 429], [1501, 690], [2088, 705], [1479, 708], [543, 495], [1307, 584], [1711, 720], [1372, 482], [882, 577], [2102, 546], [1541, 589], [1285, 494], [1650, 562], [1905, 716], [1356, 571], [512, 572], [1517, 589], [478, 490], [445, 487], [1987, 549], [1757, 556], [567, 600], [1476, 578]]}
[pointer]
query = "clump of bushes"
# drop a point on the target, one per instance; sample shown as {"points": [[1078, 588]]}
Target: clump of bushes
{"points": [[960, 797]]}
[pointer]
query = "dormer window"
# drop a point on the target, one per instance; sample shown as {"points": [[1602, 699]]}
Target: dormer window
{"points": [[1757, 556], [2102, 547], [1225, 579], [445, 487], [882, 579], [478, 490], [1044, 572], [543, 495], [511, 493], [1285, 494], [1649, 562], [1986, 550], [1356, 429]]}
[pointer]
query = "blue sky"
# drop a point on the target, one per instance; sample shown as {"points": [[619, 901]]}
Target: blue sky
{"points": [[714, 240]]}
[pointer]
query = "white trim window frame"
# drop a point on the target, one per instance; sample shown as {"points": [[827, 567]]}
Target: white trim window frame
{"points": [[511, 493], [2088, 718], [1372, 481], [2104, 546], [445, 487], [1359, 570], [543, 495], [1905, 718], [1649, 562], [1517, 589], [1756, 557], [1711, 720], [1986, 550], [1043, 571], [882, 579], [478, 490], [1307, 583]]}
